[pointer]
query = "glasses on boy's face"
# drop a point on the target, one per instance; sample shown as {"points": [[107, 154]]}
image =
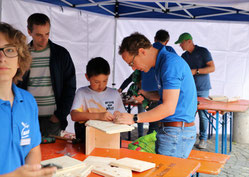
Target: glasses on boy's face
{"points": [[132, 62], [9, 51]]}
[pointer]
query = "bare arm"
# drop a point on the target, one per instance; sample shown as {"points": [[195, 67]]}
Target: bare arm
{"points": [[31, 171], [153, 95], [32, 167], [34, 156], [208, 69], [83, 116], [167, 108]]}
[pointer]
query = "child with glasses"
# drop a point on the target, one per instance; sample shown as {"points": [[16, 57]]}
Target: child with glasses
{"points": [[19, 132]]}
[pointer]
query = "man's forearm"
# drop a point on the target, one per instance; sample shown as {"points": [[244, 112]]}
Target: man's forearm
{"points": [[153, 95]]}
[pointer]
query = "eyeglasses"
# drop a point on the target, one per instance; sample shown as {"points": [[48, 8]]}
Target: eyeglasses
{"points": [[10, 51], [132, 62]]}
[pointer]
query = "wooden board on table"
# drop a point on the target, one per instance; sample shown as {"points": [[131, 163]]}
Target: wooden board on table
{"points": [[98, 161], [101, 166], [109, 171], [70, 166], [96, 138], [109, 127], [133, 164], [223, 98]]}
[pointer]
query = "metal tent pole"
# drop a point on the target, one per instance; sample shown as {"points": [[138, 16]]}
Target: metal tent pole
{"points": [[115, 40]]}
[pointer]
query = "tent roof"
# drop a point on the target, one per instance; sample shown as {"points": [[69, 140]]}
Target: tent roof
{"points": [[226, 10]]}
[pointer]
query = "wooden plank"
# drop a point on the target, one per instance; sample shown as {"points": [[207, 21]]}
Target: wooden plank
{"points": [[109, 171], [103, 140], [133, 164], [90, 140], [109, 127], [98, 139], [208, 156], [70, 166], [98, 160], [101, 166], [224, 98], [236, 106], [212, 168]]}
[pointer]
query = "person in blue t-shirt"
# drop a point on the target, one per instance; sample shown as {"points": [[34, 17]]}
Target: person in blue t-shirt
{"points": [[176, 92], [20, 134], [140, 126], [148, 78], [201, 64]]}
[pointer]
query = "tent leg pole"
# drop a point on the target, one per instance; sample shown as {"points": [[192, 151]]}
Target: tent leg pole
{"points": [[114, 54]]}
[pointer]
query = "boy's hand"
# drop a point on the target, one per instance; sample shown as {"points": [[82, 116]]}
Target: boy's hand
{"points": [[124, 118], [34, 171], [107, 116], [116, 114]]}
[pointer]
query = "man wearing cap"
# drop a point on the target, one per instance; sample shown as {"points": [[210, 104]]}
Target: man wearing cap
{"points": [[201, 63]]}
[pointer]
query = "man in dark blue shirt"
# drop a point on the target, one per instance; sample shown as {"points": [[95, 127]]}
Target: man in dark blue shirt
{"points": [[149, 82], [201, 64]]}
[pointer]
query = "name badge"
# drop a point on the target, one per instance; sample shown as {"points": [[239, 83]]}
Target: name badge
{"points": [[25, 142]]}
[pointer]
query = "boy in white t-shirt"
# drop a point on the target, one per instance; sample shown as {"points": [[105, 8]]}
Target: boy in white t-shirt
{"points": [[96, 101]]}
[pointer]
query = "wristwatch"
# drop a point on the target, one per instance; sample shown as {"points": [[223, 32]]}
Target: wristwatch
{"points": [[197, 71], [135, 118]]}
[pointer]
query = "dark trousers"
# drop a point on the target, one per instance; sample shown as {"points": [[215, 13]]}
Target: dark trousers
{"points": [[49, 128], [80, 131]]}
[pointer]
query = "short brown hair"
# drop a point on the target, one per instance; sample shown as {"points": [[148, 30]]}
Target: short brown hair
{"points": [[17, 39], [132, 43], [37, 19]]}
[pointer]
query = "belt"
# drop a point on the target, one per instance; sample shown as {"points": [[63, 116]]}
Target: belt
{"points": [[176, 124]]}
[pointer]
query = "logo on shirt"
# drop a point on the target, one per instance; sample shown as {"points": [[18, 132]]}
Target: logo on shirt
{"points": [[25, 130], [109, 105]]}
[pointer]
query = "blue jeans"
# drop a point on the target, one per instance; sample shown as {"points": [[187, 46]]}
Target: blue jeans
{"points": [[203, 121], [175, 141]]}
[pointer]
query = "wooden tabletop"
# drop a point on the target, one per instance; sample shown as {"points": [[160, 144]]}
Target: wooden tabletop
{"points": [[235, 106], [62, 147], [165, 165]]}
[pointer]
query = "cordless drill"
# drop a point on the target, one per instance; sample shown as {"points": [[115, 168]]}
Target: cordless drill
{"points": [[134, 88], [47, 140]]}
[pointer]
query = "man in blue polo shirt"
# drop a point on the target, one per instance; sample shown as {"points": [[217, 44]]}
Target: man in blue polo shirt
{"points": [[201, 63], [149, 83], [176, 90]]}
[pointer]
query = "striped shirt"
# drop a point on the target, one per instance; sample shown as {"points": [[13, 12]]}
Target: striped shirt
{"points": [[40, 85]]}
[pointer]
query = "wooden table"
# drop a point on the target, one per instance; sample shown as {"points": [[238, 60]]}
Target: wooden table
{"points": [[225, 108], [165, 165]]}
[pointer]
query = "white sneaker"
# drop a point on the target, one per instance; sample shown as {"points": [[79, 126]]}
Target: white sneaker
{"points": [[202, 144]]}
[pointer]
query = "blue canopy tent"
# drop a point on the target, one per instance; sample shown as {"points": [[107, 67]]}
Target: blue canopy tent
{"points": [[229, 10], [75, 28], [222, 10], [99, 32]]}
